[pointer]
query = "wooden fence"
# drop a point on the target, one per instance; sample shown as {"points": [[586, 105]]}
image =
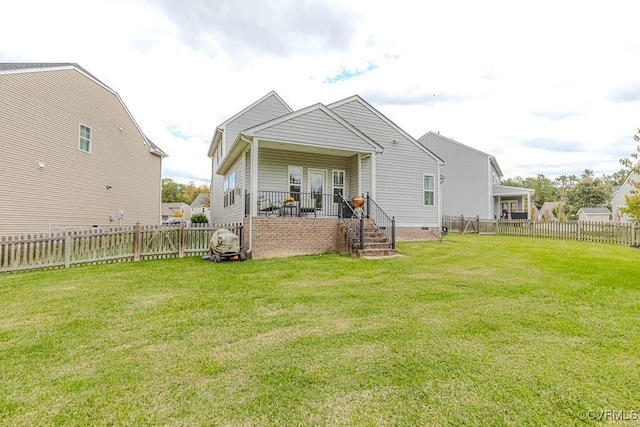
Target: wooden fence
{"points": [[98, 246], [604, 232]]}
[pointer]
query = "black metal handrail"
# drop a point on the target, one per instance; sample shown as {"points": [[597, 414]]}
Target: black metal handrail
{"points": [[386, 224], [299, 203], [353, 221]]}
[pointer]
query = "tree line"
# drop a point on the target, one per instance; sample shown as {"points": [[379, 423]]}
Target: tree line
{"points": [[587, 190], [175, 192]]}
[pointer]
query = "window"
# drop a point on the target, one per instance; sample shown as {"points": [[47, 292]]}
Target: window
{"points": [[229, 187], [428, 187], [338, 185], [295, 181], [84, 143]]}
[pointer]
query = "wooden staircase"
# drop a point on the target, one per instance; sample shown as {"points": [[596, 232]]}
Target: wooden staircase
{"points": [[375, 243]]}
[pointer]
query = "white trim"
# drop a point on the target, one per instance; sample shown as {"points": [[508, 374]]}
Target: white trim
{"points": [[80, 138], [432, 190], [344, 182], [253, 195], [289, 167]]}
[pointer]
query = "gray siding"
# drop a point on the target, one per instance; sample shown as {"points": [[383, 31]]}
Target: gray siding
{"points": [[40, 113], [399, 170], [620, 201], [273, 168], [234, 212], [270, 108], [316, 128], [466, 189], [352, 176]]}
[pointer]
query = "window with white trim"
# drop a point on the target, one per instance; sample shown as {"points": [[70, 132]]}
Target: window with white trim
{"points": [[84, 140], [295, 181], [429, 189], [229, 188]]}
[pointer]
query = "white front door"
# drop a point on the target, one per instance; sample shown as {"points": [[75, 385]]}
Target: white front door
{"points": [[317, 179]]}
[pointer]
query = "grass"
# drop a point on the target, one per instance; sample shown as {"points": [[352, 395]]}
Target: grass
{"points": [[475, 330]]}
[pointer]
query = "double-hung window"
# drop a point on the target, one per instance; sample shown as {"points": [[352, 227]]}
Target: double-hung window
{"points": [[295, 181], [84, 141], [229, 188], [429, 189], [338, 185]]}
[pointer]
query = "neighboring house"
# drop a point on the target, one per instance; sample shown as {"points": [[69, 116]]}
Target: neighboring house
{"points": [[471, 182], [317, 155], [72, 154], [619, 198], [549, 211], [594, 214], [201, 204], [175, 210]]}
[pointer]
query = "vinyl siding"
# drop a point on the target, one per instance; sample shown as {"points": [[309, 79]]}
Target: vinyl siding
{"points": [[270, 108], [234, 212], [466, 189], [620, 201], [273, 168], [40, 113], [399, 170], [316, 128]]}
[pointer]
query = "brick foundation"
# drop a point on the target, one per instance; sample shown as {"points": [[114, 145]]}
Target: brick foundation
{"points": [[285, 236]]}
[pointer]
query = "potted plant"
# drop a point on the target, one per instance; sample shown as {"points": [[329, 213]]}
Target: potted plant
{"points": [[357, 201], [289, 201]]}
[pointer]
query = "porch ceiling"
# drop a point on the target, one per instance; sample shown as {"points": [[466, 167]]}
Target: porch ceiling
{"points": [[503, 190]]}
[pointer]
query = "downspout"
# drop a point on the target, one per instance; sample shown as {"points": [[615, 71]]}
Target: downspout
{"points": [[439, 183], [251, 195]]}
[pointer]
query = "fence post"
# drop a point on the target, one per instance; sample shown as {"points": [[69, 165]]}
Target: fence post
{"points": [[633, 233], [67, 250], [461, 224], [181, 240], [579, 226], [137, 242], [477, 224]]}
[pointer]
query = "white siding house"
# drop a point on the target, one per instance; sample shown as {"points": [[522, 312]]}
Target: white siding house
{"points": [[619, 200], [319, 155], [471, 182]]}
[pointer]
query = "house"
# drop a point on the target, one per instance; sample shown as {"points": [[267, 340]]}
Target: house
{"points": [[471, 182], [72, 153], [201, 204], [619, 200], [549, 211], [175, 210], [319, 156], [594, 214]]}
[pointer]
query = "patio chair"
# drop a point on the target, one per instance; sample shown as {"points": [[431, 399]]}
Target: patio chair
{"points": [[308, 205], [267, 207]]}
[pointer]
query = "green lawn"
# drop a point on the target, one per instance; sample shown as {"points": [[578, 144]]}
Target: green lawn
{"points": [[474, 330]]}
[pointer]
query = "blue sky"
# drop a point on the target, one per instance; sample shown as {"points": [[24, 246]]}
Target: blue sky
{"points": [[546, 87]]}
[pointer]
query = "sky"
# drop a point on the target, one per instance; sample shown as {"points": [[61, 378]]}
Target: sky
{"points": [[547, 87]]}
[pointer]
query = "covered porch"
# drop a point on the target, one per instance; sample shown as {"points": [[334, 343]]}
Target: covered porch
{"points": [[511, 202]]}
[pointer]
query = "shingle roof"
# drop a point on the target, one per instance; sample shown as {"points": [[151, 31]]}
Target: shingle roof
{"points": [[595, 210]]}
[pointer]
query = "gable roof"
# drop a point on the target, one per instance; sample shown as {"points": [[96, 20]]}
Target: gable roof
{"points": [[595, 210], [217, 135], [491, 158], [354, 139], [197, 202], [384, 118], [32, 67]]}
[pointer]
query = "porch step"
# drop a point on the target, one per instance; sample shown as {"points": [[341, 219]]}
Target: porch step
{"points": [[371, 252]]}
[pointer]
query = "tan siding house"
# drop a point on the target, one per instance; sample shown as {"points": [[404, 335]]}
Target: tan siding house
{"points": [[72, 153]]}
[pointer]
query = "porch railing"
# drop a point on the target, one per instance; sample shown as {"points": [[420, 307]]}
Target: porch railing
{"points": [[354, 222], [304, 204], [386, 224]]}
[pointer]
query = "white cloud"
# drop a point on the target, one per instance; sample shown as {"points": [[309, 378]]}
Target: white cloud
{"points": [[495, 75]]}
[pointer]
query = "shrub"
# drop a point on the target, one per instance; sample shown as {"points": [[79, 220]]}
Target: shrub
{"points": [[199, 218]]}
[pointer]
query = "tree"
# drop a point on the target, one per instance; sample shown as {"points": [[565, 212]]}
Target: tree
{"points": [[545, 191], [588, 192], [632, 202], [174, 192]]}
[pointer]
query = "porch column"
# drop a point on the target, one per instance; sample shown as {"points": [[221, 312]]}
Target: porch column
{"points": [[528, 204], [253, 189], [373, 176]]}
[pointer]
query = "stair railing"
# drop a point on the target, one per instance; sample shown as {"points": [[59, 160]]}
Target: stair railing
{"points": [[386, 224], [353, 221]]}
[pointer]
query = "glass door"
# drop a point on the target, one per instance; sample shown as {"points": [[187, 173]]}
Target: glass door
{"points": [[317, 179]]}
